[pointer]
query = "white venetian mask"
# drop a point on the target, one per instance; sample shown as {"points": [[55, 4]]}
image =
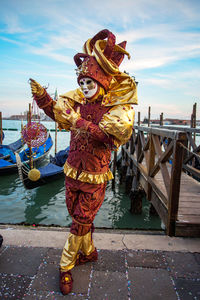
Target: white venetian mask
{"points": [[88, 86]]}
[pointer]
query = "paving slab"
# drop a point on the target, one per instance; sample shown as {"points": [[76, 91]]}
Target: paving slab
{"points": [[130, 266], [13, 286], [21, 260], [148, 259], [81, 276], [150, 284], [197, 257], [110, 260], [47, 278], [50, 296], [108, 285], [188, 289], [183, 265]]}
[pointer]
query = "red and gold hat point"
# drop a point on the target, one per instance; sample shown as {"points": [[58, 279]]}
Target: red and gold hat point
{"points": [[101, 59]]}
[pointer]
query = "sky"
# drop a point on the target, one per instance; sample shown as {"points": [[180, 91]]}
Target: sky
{"points": [[38, 40]]}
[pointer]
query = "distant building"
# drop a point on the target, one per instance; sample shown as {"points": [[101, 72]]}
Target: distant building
{"points": [[170, 121]]}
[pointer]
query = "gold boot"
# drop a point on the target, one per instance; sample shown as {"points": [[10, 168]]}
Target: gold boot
{"points": [[70, 251], [67, 262], [89, 252]]}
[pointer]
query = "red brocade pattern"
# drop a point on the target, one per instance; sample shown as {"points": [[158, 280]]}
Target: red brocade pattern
{"points": [[90, 148], [83, 202], [90, 152]]}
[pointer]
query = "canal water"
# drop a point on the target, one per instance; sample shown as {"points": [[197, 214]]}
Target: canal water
{"points": [[45, 205]]}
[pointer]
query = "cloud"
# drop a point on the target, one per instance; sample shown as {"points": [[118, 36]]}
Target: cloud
{"points": [[163, 40]]}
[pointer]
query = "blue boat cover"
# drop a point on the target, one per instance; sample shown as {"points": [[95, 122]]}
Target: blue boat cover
{"points": [[60, 158], [50, 170], [4, 163], [16, 145], [37, 151], [6, 151]]}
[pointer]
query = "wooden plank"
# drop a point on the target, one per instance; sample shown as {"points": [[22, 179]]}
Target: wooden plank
{"points": [[192, 154], [159, 207], [189, 204], [189, 219], [162, 159], [163, 167], [187, 230], [186, 211], [156, 188], [186, 219], [192, 170], [184, 129], [174, 187], [150, 164], [145, 153]]}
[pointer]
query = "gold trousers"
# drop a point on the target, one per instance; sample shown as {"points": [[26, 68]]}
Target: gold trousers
{"points": [[73, 245]]}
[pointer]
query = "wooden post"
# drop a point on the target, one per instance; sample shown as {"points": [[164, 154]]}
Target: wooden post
{"points": [[139, 118], [194, 113], [149, 116], [1, 129], [56, 135], [178, 153], [136, 193], [161, 119], [30, 146], [114, 168], [151, 164]]}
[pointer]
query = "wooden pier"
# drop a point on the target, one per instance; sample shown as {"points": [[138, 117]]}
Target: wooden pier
{"points": [[165, 163]]}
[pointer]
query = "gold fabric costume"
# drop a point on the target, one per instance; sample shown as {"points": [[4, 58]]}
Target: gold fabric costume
{"points": [[72, 246], [70, 250], [87, 246], [119, 120], [87, 176]]}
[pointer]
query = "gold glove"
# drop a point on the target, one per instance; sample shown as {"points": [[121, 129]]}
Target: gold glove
{"points": [[70, 115], [36, 88]]}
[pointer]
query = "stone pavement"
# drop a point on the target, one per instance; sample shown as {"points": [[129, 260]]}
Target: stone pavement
{"points": [[29, 266]]}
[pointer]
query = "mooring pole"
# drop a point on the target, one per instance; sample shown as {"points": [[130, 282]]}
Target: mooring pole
{"points": [[138, 118], [30, 146], [1, 132], [161, 119], [114, 168], [149, 116], [56, 136]]}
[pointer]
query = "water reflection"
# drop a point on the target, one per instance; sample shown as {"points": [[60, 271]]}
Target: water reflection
{"points": [[40, 199], [8, 184], [115, 211], [45, 205]]}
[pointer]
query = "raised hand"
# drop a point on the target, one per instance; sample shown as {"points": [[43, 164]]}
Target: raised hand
{"points": [[36, 88]]}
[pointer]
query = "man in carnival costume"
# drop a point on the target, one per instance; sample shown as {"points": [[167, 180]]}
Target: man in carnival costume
{"points": [[100, 116]]}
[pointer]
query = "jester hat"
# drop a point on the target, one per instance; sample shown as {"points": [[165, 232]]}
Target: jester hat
{"points": [[101, 58]]}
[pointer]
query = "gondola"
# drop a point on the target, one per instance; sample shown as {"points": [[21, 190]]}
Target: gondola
{"points": [[45, 174], [38, 154], [7, 151]]}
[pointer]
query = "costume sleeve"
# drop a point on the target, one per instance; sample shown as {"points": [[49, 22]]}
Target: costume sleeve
{"points": [[54, 109], [46, 103], [95, 132], [118, 122]]}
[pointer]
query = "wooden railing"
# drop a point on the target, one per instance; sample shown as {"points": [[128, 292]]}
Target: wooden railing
{"points": [[191, 162], [155, 157]]}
